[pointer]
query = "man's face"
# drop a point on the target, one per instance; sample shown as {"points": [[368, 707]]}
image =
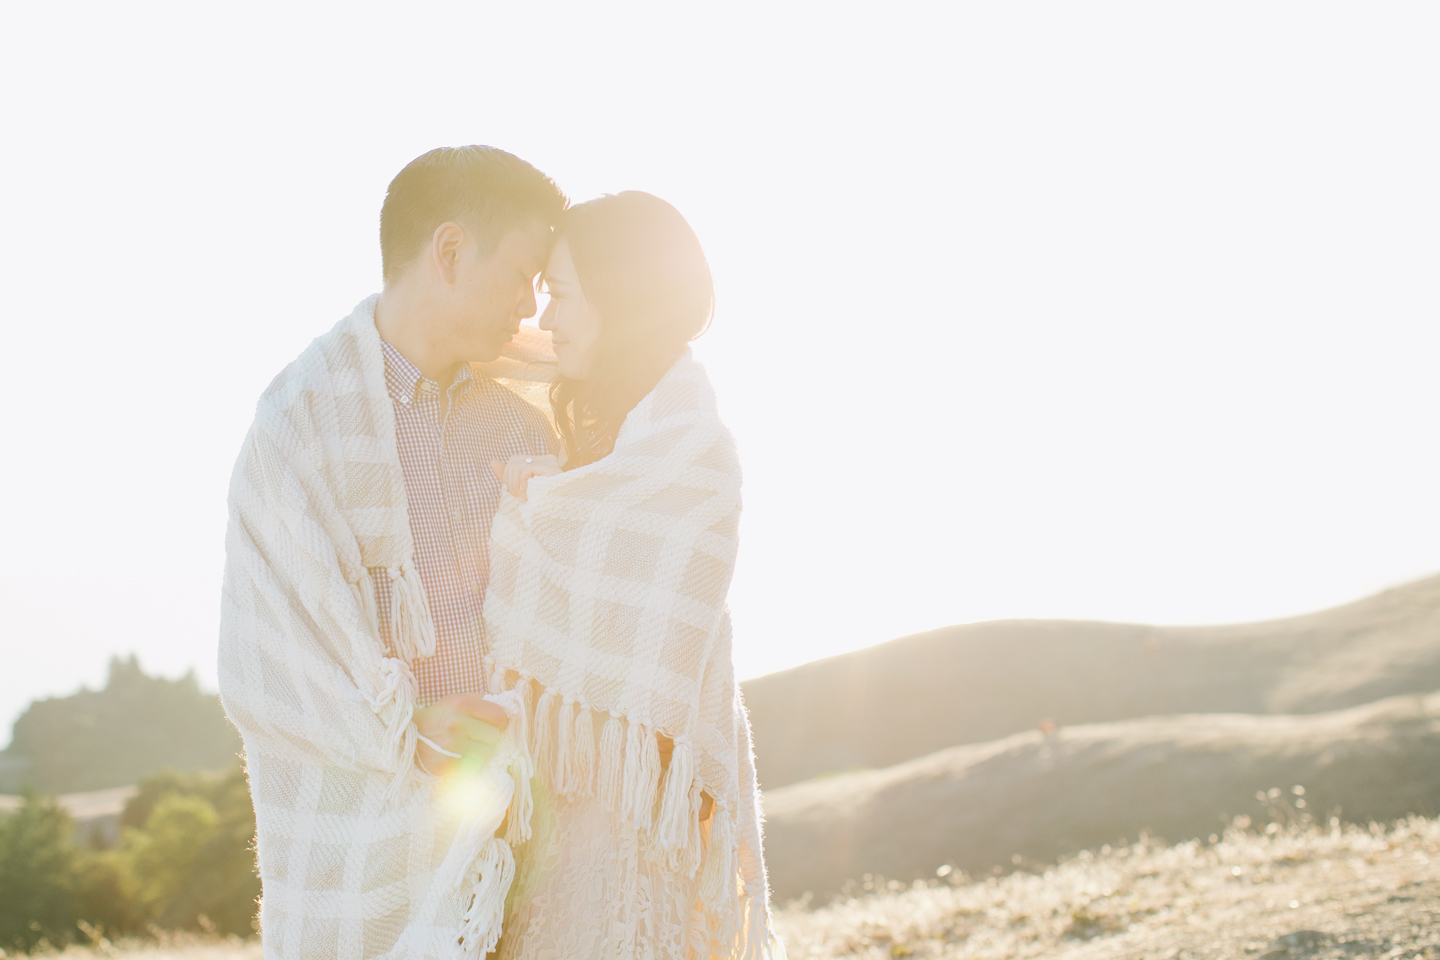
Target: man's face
{"points": [[493, 292]]}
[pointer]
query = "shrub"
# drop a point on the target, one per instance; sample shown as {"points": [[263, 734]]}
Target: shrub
{"points": [[184, 861], [39, 875], [186, 853]]}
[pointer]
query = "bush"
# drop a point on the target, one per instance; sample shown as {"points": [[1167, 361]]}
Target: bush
{"points": [[187, 853], [39, 875], [185, 861]]}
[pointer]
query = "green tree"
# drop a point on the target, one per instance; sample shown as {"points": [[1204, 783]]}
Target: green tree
{"points": [[39, 875], [185, 861], [161, 857], [187, 852], [112, 737]]}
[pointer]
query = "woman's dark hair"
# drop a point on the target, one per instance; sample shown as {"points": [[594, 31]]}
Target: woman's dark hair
{"points": [[642, 270]]}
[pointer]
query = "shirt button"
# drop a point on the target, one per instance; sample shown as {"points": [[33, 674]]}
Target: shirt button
{"points": [[458, 515]]}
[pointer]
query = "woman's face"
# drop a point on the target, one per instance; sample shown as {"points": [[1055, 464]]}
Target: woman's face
{"points": [[574, 326]]}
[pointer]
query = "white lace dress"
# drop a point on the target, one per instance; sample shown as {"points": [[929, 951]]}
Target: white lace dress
{"points": [[585, 890]]}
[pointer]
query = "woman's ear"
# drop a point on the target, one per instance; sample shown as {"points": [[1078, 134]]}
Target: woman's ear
{"points": [[446, 244]]}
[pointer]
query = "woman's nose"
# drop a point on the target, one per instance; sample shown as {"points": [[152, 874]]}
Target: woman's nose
{"points": [[547, 319]]}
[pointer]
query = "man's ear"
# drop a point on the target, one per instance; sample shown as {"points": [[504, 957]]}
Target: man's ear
{"points": [[445, 245]]}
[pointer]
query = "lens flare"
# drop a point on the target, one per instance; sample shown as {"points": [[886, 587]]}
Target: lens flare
{"points": [[474, 788]]}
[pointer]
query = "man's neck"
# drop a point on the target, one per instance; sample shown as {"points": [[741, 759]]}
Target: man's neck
{"points": [[405, 320]]}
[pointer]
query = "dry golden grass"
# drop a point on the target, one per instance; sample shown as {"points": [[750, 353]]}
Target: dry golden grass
{"points": [[1300, 891], [1289, 893], [165, 946]]}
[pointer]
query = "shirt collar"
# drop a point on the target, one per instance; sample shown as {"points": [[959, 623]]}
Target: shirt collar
{"points": [[403, 378]]}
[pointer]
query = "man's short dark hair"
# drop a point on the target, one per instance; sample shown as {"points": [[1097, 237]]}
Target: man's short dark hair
{"points": [[485, 190]]}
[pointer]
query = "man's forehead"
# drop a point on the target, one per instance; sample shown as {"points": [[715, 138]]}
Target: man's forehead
{"points": [[529, 244]]}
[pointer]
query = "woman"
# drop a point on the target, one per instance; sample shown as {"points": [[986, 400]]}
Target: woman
{"points": [[606, 611]]}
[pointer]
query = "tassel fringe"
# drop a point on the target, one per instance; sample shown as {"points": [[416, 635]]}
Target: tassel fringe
{"points": [[564, 754], [395, 703], [557, 740], [412, 631], [648, 779], [522, 767], [582, 768], [690, 861], [611, 762], [757, 942], [480, 928], [628, 787], [543, 734], [717, 880], [672, 830]]}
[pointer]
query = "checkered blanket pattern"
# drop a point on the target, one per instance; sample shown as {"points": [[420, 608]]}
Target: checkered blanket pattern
{"points": [[359, 854]]}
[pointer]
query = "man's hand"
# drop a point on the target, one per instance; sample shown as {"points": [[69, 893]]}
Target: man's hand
{"points": [[463, 723], [516, 473]]}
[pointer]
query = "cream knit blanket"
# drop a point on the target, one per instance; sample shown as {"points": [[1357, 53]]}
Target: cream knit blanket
{"points": [[607, 593], [361, 855]]}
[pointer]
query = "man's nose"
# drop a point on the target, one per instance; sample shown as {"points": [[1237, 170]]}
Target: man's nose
{"points": [[526, 307]]}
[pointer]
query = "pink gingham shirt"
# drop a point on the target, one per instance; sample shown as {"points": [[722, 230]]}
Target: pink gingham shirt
{"points": [[453, 496]]}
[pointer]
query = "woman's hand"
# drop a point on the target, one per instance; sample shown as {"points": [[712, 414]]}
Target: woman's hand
{"points": [[516, 473]]}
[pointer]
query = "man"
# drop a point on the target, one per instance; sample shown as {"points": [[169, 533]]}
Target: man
{"points": [[357, 560]]}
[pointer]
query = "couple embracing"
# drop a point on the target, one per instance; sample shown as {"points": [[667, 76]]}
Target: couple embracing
{"points": [[474, 631]]}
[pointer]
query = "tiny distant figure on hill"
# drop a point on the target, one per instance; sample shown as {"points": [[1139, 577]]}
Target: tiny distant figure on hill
{"points": [[474, 632]]}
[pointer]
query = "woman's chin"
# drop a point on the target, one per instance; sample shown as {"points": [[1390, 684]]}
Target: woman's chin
{"points": [[569, 369]]}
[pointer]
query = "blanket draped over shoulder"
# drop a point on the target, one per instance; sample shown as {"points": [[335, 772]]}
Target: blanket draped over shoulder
{"points": [[607, 594], [361, 854]]}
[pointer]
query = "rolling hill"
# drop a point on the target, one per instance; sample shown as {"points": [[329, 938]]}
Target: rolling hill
{"points": [[969, 684], [1032, 797]]}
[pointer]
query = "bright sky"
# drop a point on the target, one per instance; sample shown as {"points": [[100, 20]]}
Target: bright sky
{"points": [[1106, 310]]}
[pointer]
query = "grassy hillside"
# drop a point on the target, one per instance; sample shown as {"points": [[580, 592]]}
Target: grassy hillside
{"points": [[969, 684], [1299, 894], [1038, 797]]}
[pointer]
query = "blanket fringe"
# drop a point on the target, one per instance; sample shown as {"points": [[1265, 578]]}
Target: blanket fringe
{"points": [[522, 769], [672, 829], [633, 733], [623, 769], [480, 863], [757, 942], [522, 765], [641, 777], [717, 879], [690, 862], [611, 763], [542, 743], [581, 779], [481, 926], [556, 740], [412, 631], [564, 753], [395, 704]]}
